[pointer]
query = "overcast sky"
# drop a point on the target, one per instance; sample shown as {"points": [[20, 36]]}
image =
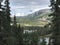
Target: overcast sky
{"points": [[21, 7]]}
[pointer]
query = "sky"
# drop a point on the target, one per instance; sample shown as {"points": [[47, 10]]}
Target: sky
{"points": [[24, 7]]}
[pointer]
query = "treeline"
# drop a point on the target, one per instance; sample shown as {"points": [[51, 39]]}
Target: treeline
{"points": [[13, 34], [10, 34], [55, 38]]}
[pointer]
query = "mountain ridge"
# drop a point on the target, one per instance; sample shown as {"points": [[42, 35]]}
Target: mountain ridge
{"points": [[37, 18]]}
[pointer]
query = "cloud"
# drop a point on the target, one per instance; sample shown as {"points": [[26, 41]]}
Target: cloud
{"points": [[19, 14], [26, 9], [17, 7], [29, 2], [24, 6], [41, 8], [33, 3]]}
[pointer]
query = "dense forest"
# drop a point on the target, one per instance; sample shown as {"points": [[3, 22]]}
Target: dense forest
{"points": [[12, 33]]}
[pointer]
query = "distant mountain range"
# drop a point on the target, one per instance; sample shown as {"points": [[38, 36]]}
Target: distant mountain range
{"points": [[38, 18]]}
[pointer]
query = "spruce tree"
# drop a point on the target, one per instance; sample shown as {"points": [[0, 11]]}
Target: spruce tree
{"points": [[34, 38], [56, 22], [7, 16], [15, 22], [6, 21], [20, 35], [50, 41], [12, 39], [1, 26], [0, 16], [14, 27], [17, 32], [43, 42]]}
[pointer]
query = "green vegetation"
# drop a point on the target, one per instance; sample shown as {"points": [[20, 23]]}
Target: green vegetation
{"points": [[55, 4], [28, 30], [39, 20]]}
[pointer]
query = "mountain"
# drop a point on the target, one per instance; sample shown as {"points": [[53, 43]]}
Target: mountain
{"points": [[38, 18], [37, 13]]}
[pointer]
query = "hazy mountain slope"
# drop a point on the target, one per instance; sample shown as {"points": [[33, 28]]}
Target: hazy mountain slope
{"points": [[39, 18]]}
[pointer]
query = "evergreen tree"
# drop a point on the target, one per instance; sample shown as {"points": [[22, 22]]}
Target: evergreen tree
{"points": [[56, 21], [0, 25], [5, 26], [34, 38], [20, 35], [43, 42], [0, 15], [17, 32], [14, 27], [12, 39], [7, 16], [50, 41], [15, 23], [26, 38], [2, 42]]}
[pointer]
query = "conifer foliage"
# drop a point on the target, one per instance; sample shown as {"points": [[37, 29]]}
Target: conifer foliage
{"points": [[1, 33], [43, 42], [56, 20], [9, 34], [7, 15], [14, 34]]}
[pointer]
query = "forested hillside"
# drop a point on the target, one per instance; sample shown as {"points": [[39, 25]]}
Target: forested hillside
{"points": [[40, 27], [38, 18]]}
